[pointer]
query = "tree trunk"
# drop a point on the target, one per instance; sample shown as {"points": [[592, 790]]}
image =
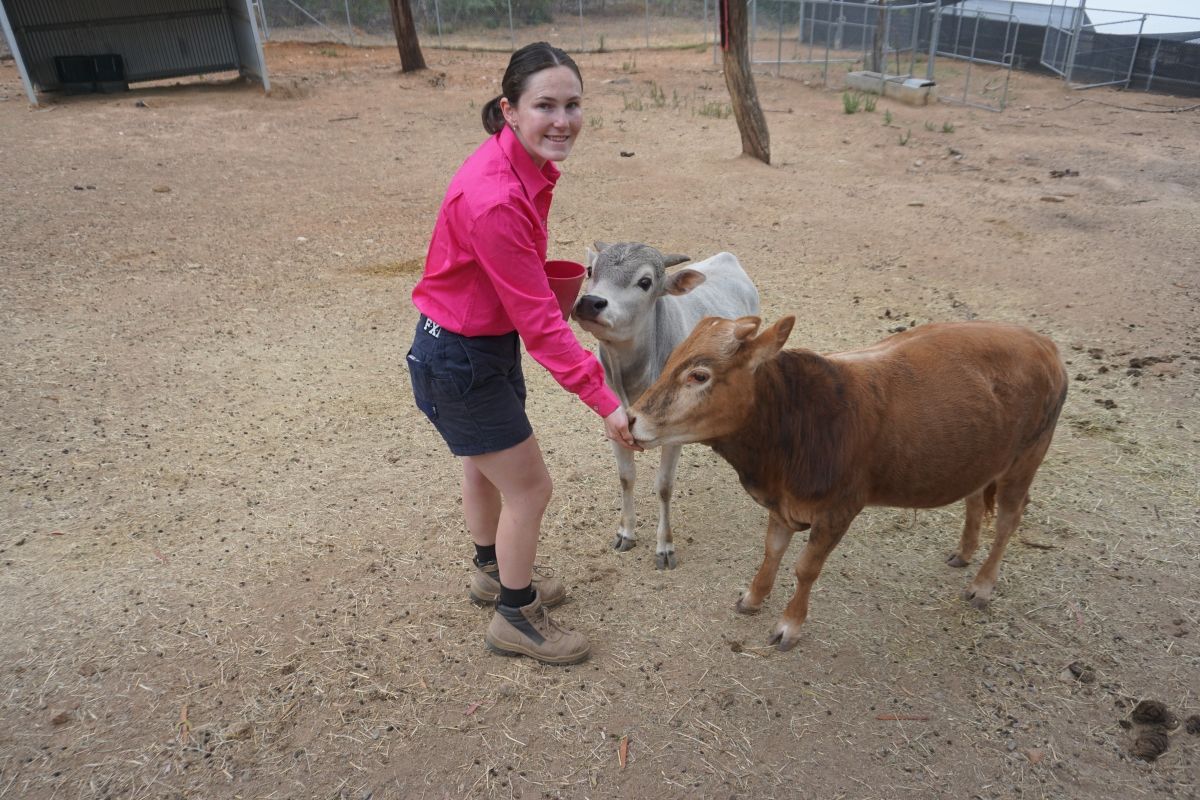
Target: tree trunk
{"points": [[877, 64], [411, 59], [735, 58]]}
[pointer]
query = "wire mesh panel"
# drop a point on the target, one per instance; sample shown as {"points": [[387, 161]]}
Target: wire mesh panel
{"points": [[1104, 59], [826, 39], [574, 25], [977, 50], [1062, 24]]}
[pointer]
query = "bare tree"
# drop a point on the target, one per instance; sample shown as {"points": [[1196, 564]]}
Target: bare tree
{"points": [[739, 80], [411, 59]]}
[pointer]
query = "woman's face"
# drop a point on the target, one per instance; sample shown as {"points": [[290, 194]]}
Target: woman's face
{"points": [[549, 114]]}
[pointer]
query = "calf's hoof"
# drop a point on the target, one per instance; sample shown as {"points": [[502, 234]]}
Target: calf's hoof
{"points": [[955, 560], [622, 544], [978, 599], [785, 637], [743, 606], [665, 561]]}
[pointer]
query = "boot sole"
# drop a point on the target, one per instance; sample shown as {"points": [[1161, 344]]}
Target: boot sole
{"points": [[516, 650]]}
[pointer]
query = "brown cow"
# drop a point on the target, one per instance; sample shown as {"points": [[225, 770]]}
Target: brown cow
{"points": [[933, 415]]}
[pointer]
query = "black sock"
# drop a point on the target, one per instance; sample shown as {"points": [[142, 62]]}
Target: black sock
{"points": [[516, 598], [485, 554]]}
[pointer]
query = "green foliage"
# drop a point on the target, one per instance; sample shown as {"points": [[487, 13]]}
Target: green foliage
{"points": [[947, 127], [904, 137], [887, 116], [715, 108], [629, 67], [928, 125], [657, 95], [851, 102], [869, 102], [632, 105], [596, 123]]}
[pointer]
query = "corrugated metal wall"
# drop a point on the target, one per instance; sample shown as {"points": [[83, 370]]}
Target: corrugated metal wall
{"points": [[156, 38]]}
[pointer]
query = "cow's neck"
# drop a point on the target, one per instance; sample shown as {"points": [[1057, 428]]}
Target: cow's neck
{"points": [[793, 443]]}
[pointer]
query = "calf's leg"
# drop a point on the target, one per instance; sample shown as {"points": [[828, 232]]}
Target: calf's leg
{"points": [[627, 472], [779, 536], [665, 484], [968, 543], [822, 539], [1012, 493]]}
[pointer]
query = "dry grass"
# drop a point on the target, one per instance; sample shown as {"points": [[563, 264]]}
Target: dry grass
{"points": [[233, 560]]}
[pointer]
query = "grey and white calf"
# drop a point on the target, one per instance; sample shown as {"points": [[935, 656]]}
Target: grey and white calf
{"points": [[639, 313]]}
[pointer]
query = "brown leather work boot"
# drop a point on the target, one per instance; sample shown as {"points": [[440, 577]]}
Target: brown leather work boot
{"points": [[485, 586], [529, 631]]}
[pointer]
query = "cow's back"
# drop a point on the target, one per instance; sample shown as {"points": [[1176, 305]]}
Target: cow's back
{"points": [[727, 291], [956, 403]]}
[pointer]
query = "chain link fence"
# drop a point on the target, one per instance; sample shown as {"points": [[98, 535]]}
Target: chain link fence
{"points": [[574, 25]]}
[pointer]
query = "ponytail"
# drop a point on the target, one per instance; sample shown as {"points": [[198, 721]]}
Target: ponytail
{"points": [[493, 117]]}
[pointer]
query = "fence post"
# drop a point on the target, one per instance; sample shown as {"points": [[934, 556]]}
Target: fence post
{"points": [[349, 24], [1137, 43], [935, 36]]}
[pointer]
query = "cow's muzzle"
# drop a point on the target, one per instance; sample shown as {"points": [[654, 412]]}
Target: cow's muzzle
{"points": [[589, 307]]}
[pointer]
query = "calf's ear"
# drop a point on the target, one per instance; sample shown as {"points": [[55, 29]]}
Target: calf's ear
{"points": [[671, 259], [684, 281], [592, 255], [771, 341]]}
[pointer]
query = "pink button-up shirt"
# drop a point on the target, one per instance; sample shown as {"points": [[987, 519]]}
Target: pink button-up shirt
{"points": [[485, 270]]}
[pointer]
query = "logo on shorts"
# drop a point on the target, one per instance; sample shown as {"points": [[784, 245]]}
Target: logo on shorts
{"points": [[432, 328]]}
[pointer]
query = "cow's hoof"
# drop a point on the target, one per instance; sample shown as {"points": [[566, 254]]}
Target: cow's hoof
{"points": [[978, 600], [784, 638], [956, 561], [665, 561], [622, 544], [743, 607]]}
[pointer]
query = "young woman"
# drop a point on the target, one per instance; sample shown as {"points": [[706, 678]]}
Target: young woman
{"points": [[484, 285]]}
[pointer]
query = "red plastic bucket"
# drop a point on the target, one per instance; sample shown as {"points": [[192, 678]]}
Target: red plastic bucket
{"points": [[566, 278]]}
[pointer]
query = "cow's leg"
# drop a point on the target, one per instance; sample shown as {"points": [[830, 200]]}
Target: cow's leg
{"points": [[779, 536], [627, 472], [665, 485], [825, 535], [1012, 493], [968, 543]]}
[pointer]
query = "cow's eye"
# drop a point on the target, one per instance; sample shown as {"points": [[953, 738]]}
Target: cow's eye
{"points": [[644, 284], [589, 272], [697, 376]]}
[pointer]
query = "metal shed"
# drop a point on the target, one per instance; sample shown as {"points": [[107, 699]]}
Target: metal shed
{"points": [[60, 44]]}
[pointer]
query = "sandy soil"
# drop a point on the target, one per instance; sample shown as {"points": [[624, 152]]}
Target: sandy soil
{"points": [[232, 562]]}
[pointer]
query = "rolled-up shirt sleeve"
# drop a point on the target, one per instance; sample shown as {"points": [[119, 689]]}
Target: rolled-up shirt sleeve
{"points": [[505, 247]]}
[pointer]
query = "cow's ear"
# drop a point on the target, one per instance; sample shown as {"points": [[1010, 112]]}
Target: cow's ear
{"points": [[772, 340], [671, 259], [684, 281], [593, 255]]}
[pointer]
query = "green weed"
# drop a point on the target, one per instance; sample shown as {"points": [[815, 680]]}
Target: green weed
{"points": [[904, 137], [851, 102]]}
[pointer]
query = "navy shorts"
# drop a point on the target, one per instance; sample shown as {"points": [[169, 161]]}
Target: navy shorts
{"points": [[471, 388]]}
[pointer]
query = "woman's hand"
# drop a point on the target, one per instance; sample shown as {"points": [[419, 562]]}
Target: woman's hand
{"points": [[616, 427]]}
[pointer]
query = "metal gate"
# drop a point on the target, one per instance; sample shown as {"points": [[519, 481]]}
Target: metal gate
{"points": [[1089, 52]]}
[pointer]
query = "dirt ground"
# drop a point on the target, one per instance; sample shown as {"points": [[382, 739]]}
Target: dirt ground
{"points": [[232, 563]]}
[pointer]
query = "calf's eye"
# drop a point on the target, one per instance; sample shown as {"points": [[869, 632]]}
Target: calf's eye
{"points": [[697, 376], [644, 284]]}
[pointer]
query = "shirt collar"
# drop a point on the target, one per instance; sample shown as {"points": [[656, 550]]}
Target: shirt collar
{"points": [[534, 180]]}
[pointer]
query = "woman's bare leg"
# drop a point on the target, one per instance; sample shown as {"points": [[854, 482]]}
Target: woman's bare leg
{"points": [[520, 478]]}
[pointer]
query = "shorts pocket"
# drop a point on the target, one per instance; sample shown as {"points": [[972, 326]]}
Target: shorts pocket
{"points": [[422, 386]]}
